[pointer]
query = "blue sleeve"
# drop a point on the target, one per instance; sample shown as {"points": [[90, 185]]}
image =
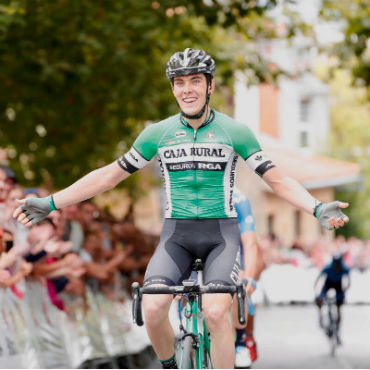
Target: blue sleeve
{"points": [[244, 212]]}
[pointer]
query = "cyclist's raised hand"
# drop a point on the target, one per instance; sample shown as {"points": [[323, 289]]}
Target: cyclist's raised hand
{"points": [[33, 210], [330, 214]]}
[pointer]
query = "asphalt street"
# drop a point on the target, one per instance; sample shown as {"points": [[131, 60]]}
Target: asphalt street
{"points": [[289, 337]]}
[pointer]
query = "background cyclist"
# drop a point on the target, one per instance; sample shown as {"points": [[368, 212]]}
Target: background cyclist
{"points": [[336, 275], [252, 264], [197, 150]]}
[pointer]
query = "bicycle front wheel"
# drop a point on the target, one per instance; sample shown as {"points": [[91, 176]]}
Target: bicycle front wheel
{"points": [[187, 357], [333, 345]]}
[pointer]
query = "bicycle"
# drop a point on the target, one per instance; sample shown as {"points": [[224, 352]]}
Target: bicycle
{"points": [[330, 324], [194, 341]]}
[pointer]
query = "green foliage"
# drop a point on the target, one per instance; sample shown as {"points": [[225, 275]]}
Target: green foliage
{"points": [[80, 78], [350, 140], [350, 134], [354, 51]]}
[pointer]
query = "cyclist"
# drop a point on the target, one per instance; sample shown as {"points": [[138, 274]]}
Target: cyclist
{"points": [[197, 151], [336, 277], [252, 265]]}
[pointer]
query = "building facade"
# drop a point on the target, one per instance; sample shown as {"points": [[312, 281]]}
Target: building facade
{"points": [[291, 121]]}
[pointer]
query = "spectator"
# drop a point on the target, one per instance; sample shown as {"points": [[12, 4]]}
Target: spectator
{"points": [[7, 181], [139, 246], [72, 230], [17, 269], [87, 213], [95, 264]]}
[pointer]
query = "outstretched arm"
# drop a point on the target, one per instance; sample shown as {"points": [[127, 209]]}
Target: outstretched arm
{"points": [[293, 192], [33, 210], [93, 183]]}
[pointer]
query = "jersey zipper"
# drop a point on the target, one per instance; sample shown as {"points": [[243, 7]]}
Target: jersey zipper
{"points": [[195, 170]]}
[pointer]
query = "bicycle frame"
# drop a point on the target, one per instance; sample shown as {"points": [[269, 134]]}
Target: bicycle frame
{"points": [[195, 327]]}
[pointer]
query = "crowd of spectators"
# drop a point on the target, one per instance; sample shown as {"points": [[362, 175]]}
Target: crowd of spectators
{"points": [[316, 253], [83, 245], [74, 247]]}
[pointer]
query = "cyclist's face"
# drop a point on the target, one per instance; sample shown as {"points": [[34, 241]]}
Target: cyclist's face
{"points": [[190, 92]]}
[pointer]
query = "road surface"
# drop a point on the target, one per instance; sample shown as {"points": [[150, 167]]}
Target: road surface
{"points": [[289, 337]]}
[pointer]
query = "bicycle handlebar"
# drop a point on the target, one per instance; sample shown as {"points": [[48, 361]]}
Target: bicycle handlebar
{"points": [[136, 305], [240, 294], [248, 297], [181, 289]]}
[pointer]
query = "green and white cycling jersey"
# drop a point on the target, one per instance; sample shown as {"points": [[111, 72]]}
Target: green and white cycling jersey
{"points": [[198, 166]]}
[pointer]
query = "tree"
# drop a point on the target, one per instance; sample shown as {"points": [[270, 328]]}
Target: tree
{"points": [[350, 136], [80, 78], [350, 140], [354, 51]]}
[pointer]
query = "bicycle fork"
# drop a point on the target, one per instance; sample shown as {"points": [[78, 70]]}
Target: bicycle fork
{"points": [[196, 328]]}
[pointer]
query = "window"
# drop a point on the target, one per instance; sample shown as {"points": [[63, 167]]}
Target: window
{"points": [[304, 109], [303, 139]]}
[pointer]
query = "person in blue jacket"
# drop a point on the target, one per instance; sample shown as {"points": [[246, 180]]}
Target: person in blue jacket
{"points": [[336, 275], [252, 264]]}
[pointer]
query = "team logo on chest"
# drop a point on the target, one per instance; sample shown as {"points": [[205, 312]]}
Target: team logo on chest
{"points": [[194, 156], [202, 152], [180, 133]]}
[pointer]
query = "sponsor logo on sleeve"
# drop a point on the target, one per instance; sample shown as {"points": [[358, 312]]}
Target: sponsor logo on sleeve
{"points": [[122, 163], [258, 157], [133, 157]]}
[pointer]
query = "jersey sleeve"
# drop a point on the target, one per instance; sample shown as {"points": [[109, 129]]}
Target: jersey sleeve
{"points": [[141, 152], [244, 213], [247, 146]]}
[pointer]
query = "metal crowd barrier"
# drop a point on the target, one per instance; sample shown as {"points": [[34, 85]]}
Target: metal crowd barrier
{"points": [[96, 333]]}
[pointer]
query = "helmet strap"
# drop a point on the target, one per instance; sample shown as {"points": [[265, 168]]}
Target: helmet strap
{"points": [[195, 116]]}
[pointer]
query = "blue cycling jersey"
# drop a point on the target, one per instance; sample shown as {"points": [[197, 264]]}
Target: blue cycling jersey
{"points": [[244, 213], [335, 275]]}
